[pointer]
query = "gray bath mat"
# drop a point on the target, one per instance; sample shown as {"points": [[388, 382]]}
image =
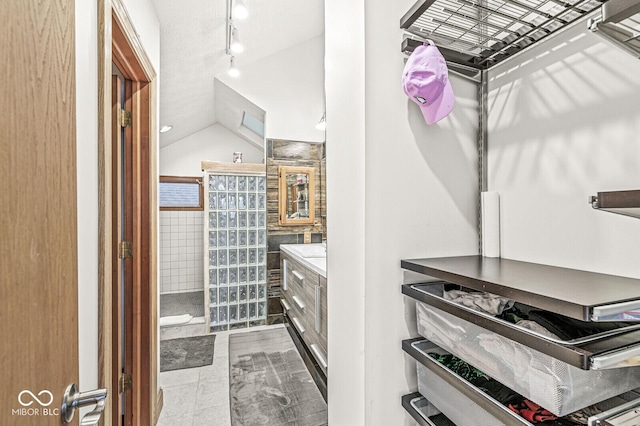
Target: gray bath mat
{"points": [[186, 352], [269, 383]]}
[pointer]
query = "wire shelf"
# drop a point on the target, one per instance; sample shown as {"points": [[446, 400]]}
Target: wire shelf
{"points": [[482, 33], [620, 23]]}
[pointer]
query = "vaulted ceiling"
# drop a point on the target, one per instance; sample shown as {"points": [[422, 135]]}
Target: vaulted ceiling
{"points": [[192, 52]]}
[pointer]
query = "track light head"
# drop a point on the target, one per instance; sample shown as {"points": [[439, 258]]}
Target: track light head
{"points": [[240, 11], [236, 45], [233, 70]]}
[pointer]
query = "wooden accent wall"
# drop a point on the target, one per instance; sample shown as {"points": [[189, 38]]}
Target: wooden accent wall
{"points": [[290, 153]]}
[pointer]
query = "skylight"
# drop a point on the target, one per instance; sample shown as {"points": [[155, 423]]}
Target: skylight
{"points": [[253, 124]]}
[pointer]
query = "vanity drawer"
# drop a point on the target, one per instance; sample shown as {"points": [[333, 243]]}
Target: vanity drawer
{"points": [[290, 304], [320, 356], [292, 284], [312, 295], [286, 304], [321, 303], [298, 324], [556, 385], [287, 297], [293, 298], [292, 275], [296, 304], [296, 274], [304, 299], [448, 392], [316, 296]]}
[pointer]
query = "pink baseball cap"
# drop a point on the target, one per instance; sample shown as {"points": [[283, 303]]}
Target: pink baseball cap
{"points": [[426, 81]]}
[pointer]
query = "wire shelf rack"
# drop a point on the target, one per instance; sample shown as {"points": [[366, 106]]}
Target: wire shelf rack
{"points": [[619, 22], [478, 34]]}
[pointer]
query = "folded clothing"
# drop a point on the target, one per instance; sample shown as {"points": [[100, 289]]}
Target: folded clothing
{"points": [[480, 301], [458, 366], [532, 411], [564, 327], [499, 392], [534, 326]]}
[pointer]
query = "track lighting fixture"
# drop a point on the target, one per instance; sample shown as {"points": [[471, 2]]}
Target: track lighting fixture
{"points": [[235, 9], [236, 45], [240, 11], [233, 70]]}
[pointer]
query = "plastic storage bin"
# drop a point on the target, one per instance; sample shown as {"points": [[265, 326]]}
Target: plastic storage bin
{"points": [[553, 384], [450, 401]]}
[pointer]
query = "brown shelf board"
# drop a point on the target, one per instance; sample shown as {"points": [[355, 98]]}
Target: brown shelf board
{"points": [[622, 202], [571, 292]]}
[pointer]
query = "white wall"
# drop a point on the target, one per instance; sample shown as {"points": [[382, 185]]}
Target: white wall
{"points": [[344, 32], [411, 192], [147, 26], [215, 143], [564, 124], [288, 86], [145, 21]]}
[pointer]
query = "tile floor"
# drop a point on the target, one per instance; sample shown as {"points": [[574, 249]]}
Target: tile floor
{"points": [[200, 396]]}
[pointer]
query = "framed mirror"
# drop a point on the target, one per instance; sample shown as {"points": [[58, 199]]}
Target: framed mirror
{"points": [[296, 195]]}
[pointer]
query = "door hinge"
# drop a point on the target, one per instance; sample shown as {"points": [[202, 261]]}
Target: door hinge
{"points": [[124, 117], [125, 383], [125, 250]]}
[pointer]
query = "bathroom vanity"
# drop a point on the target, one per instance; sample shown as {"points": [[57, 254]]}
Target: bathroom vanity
{"points": [[304, 295]]}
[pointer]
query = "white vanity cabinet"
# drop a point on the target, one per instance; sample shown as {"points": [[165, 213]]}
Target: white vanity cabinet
{"points": [[304, 300]]}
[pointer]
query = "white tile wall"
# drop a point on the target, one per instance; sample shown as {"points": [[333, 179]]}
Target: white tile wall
{"points": [[181, 251]]}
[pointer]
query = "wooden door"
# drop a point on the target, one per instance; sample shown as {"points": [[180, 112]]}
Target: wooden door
{"points": [[38, 246]]}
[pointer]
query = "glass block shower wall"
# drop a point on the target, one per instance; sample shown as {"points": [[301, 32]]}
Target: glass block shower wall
{"points": [[236, 243]]}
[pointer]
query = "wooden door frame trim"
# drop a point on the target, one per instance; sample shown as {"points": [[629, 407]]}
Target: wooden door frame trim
{"points": [[119, 43], [135, 58]]}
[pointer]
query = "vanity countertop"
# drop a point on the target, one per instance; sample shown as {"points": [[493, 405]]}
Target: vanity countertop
{"points": [[312, 256]]}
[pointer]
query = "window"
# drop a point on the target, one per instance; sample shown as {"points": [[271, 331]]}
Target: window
{"points": [[181, 193]]}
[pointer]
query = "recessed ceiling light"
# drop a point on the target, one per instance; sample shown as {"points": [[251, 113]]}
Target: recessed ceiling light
{"points": [[165, 129]]}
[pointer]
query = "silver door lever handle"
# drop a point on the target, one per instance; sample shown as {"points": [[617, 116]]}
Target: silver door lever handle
{"points": [[73, 399], [93, 417]]}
